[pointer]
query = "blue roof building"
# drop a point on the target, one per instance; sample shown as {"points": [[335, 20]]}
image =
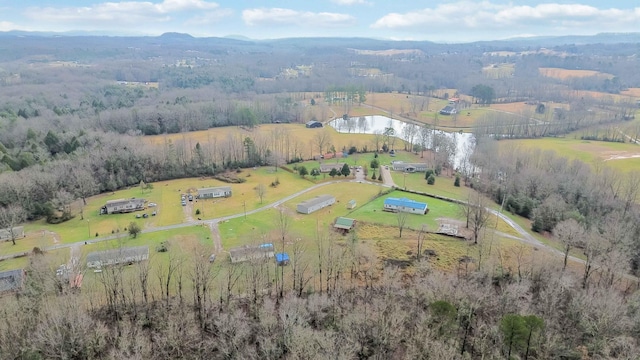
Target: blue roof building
{"points": [[405, 205]]}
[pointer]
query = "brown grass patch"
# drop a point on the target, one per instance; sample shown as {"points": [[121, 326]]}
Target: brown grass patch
{"points": [[564, 74], [633, 92]]}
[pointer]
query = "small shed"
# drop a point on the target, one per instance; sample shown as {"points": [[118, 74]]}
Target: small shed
{"points": [[344, 224], [18, 232], [352, 204], [282, 259], [448, 110], [11, 280], [315, 204], [214, 192], [125, 255], [405, 205]]}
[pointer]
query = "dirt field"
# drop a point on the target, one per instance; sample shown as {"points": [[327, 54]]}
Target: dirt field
{"points": [[633, 92], [499, 71], [564, 74]]}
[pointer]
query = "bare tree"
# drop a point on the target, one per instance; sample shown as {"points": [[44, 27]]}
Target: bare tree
{"points": [[478, 214], [569, 232], [401, 218], [261, 191], [322, 140], [10, 217]]}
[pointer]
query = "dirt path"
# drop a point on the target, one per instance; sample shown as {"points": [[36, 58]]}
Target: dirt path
{"points": [[215, 236], [386, 176]]}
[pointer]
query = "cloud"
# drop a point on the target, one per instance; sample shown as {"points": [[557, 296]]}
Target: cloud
{"points": [[484, 15], [7, 26], [123, 12], [284, 17], [350, 2]]}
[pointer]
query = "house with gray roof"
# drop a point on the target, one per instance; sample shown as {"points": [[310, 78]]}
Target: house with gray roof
{"points": [[326, 167], [125, 255], [11, 280], [409, 167], [121, 206], [315, 204], [214, 192], [248, 253]]}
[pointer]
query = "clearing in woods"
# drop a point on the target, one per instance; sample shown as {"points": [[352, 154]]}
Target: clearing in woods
{"points": [[564, 74]]}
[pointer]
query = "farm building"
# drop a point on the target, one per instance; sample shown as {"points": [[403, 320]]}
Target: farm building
{"points": [[448, 110], [405, 205], [247, 253], [409, 167], [122, 206], [126, 255], [313, 124], [11, 280], [325, 168], [282, 259], [18, 232], [315, 204], [344, 224], [214, 192]]}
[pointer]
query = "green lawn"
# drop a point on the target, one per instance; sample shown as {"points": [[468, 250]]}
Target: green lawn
{"points": [[261, 227], [373, 213]]}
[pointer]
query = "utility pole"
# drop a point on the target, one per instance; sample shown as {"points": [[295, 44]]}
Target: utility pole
{"points": [[244, 205]]}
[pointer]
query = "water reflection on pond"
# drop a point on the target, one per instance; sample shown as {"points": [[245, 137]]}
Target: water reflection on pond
{"points": [[373, 124]]}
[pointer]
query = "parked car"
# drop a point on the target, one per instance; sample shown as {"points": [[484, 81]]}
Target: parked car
{"points": [[145, 215], [184, 203], [153, 213], [152, 204], [212, 258], [183, 198], [190, 197], [138, 216]]}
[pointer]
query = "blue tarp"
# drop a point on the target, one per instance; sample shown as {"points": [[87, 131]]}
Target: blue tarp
{"points": [[282, 257]]}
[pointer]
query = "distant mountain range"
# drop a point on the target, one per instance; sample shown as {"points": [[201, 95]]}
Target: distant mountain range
{"points": [[602, 38]]}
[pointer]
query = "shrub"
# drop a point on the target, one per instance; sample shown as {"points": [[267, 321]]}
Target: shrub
{"points": [[431, 180], [456, 182], [197, 211], [428, 173]]}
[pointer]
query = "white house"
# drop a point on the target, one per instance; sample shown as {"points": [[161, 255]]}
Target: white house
{"points": [[315, 204], [409, 167], [122, 206], [214, 192], [18, 232], [405, 205]]}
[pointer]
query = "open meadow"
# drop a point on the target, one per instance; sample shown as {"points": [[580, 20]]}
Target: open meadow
{"points": [[564, 74]]}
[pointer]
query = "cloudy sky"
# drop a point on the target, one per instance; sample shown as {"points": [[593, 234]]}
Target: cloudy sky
{"points": [[435, 20]]}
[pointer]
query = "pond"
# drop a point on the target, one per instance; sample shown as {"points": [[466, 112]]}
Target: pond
{"points": [[373, 124]]}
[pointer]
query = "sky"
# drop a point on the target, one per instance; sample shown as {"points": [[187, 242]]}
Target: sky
{"points": [[434, 20]]}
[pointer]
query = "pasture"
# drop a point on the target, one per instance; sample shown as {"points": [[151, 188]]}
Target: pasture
{"points": [[499, 71], [564, 74], [624, 156]]}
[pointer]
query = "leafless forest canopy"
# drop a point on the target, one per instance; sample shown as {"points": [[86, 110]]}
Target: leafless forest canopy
{"points": [[72, 113]]}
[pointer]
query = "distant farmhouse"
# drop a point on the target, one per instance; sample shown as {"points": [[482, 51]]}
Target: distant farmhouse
{"points": [[214, 192], [122, 206], [326, 168], [127, 255], [315, 204], [11, 281], [405, 205], [409, 167], [448, 110], [248, 253], [18, 232], [313, 124]]}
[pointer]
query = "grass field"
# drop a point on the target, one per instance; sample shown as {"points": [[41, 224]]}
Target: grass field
{"points": [[616, 155], [499, 71], [262, 226], [564, 74]]}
